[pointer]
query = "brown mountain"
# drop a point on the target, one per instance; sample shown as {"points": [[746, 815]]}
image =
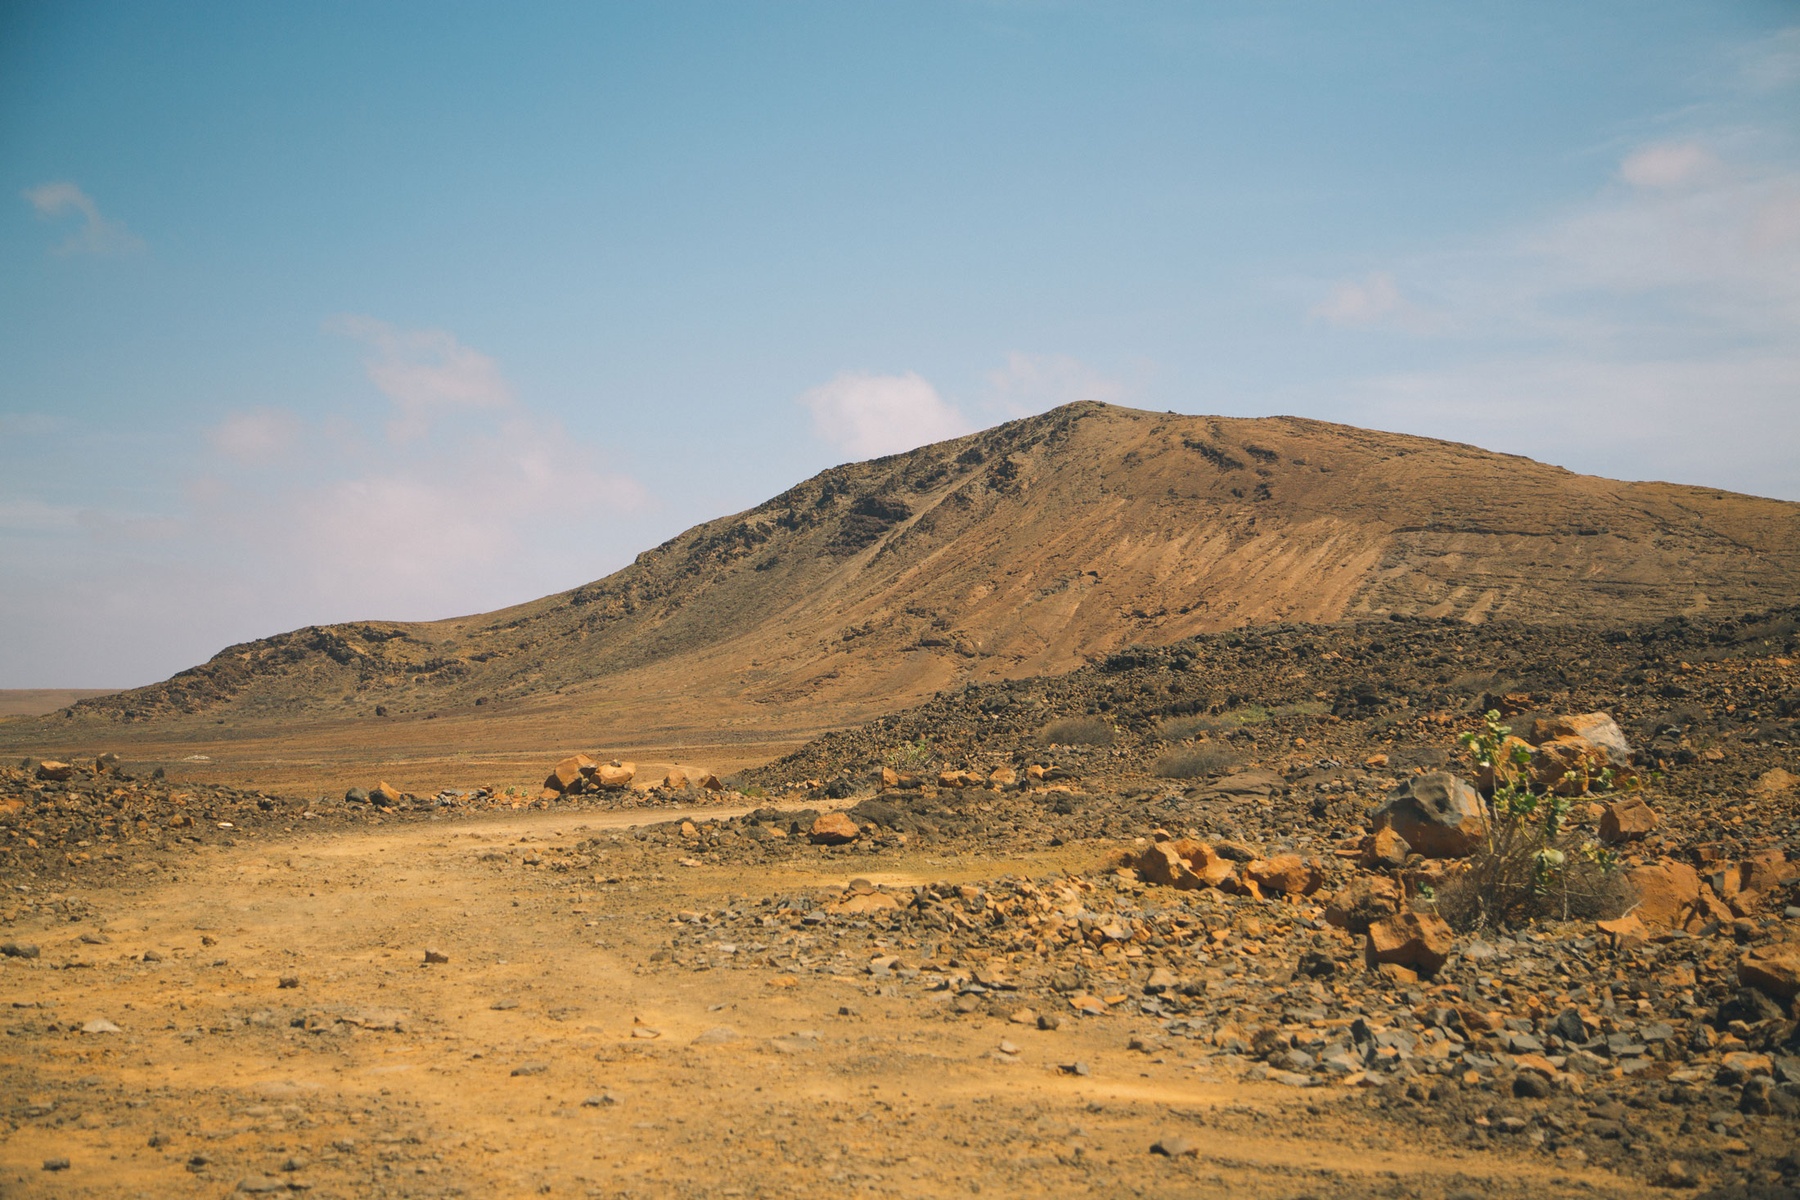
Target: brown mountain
{"points": [[1024, 549]]}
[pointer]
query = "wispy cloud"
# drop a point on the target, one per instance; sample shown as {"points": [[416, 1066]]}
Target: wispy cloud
{"points": [[867, 415], [424, 372], [1034, 383], [96, 234], [1651, 329], [1374, 302], [259, 435]]}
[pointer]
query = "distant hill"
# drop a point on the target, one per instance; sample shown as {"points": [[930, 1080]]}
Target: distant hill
{"points": [[1029, 548]]}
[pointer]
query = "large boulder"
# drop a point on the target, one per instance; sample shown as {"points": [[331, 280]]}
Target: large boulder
{"points": [[1667, 892], [614, 775], [1418, 941], [1438, 814], [570, 774], [833, 829], [1774, 970], [1596, 728]]}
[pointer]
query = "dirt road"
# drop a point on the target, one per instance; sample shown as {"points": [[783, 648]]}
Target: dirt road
{"points": [[286, 1033]]}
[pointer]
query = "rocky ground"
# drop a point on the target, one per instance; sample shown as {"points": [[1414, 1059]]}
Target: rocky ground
{"points": [[1113, 931]]}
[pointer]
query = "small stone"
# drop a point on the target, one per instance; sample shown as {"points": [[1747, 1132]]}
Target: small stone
{"points": [[1073, 1068], [506, 1005], [1048, 1022], [1175, 1145], [966, 1003], [151, 956], [288, 981], [261, 1184], [1023, 1016], [385, 793], [531, 1068], [18, 949], [56, 1164], [100, 1025], [645, 1033], [1529, 1085], [717, 1036], [436, 956]]}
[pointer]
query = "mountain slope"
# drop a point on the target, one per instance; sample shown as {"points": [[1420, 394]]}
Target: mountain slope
{"points": [[1028, 548]]}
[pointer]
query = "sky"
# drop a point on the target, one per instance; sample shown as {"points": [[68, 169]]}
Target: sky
{"points": [[318, 312]]}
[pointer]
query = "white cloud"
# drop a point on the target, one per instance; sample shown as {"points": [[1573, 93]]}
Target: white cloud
{"points": [[1668, 165], [97, 234], [866, 416], [259, 435], [1373, 302], [1034, 383], [424, 372]]}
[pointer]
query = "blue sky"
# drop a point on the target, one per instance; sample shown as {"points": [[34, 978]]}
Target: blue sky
{"points": [[316, 312]]}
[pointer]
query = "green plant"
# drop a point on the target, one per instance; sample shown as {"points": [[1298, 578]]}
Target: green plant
{"points": [[1530, 863], [909, 757]]}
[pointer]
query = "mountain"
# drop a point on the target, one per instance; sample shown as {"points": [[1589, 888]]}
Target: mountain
{"points": [[1029, 548]]}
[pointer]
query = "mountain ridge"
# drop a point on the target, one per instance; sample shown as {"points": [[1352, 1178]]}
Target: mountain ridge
{"points": [[1028, 548]]}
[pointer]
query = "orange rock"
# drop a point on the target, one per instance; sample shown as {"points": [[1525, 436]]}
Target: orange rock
{"points": [[1419, 941], [1568, 765], [1386, 848], [1286, 874], [1627, 930], [1666, 892], [887, 777], [1772, 969], [1376, 760], [1160, 864], [1627, 820], [615, 774], [385, 793], [569, 772], [1598, 729], [57, 771], [1034, 773], [1363, 901], [833, 829], [1003, 776]]}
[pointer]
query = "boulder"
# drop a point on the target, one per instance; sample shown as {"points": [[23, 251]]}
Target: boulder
{"points": [[1286, 874], [1667, 892], [615, 774], [885, 777], [1003, 776], [1775, 781], [676, 779], [56, 771], [1162, 864], [385, 793], [568, 774], [1386, 849], [1774, 970], [356, 795], [1417, 941], [833, 829], [1627, 820], [1568, 765], [1363, 901], [1488, 777], [707, 781], [1596, 728], [957, 779], [1438, 814]]}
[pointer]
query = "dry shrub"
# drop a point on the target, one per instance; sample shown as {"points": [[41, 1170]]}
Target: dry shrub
{"points": [[1519, 875], [1180, 729], [1195, 762], [1530, 865], [1078, 731]]}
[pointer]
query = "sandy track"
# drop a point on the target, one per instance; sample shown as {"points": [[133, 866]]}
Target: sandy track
{"points": [[515, 1071]]}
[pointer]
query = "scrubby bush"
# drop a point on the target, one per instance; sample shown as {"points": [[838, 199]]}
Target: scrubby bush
{"points": [[1180, 729], [1530, 865], [1077, 731], [1194, 762]]}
